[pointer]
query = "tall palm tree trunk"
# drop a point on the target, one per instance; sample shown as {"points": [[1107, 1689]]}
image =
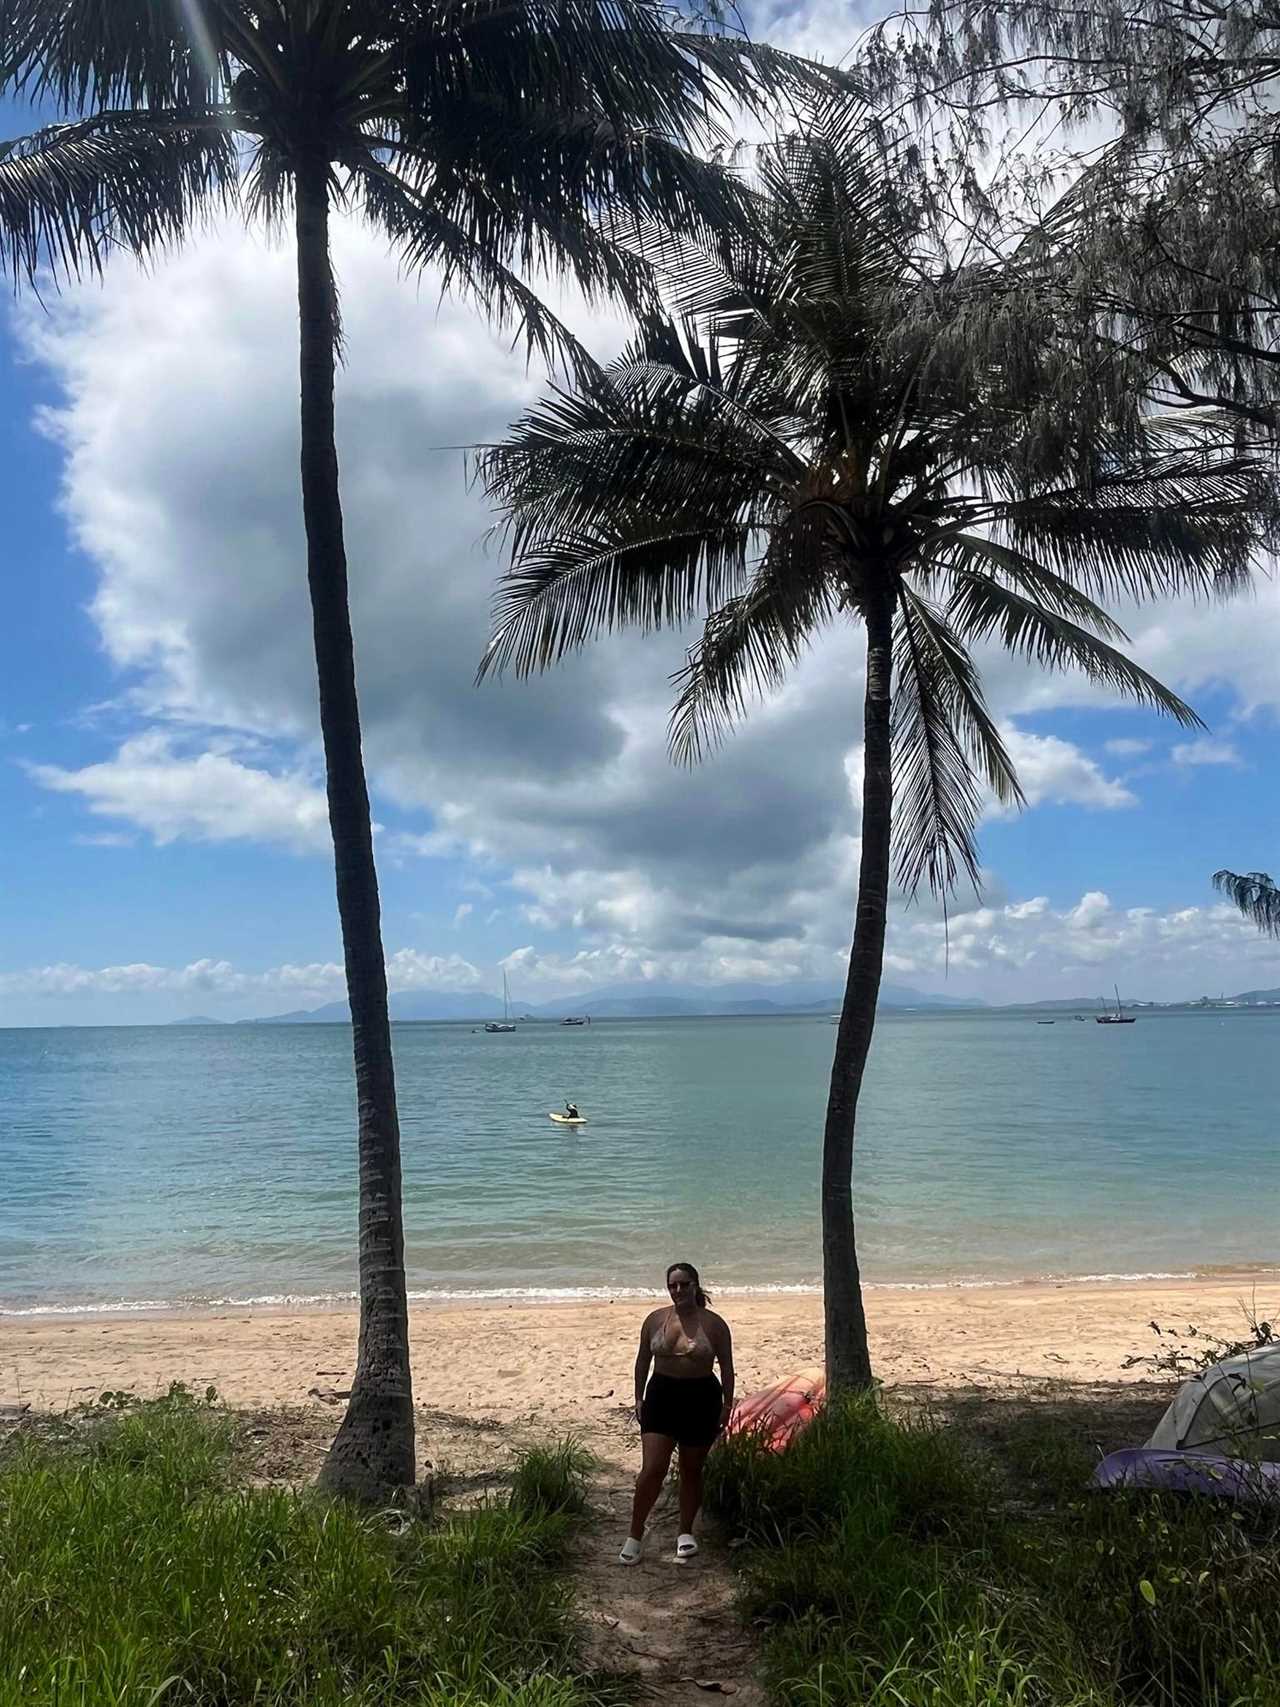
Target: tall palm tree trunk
{"points": [[848, 1358], [373, 1451]]}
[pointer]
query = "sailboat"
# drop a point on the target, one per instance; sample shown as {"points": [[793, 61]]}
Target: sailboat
{"points": [[1119, 1017], [505, 1024]]}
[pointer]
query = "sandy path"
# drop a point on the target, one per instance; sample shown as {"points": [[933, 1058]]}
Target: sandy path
{"points": [[670, 1627]]}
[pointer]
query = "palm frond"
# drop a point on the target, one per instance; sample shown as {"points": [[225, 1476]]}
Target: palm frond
{"points": [[428, 208], [513, 184], [645, 438], [564, 590], [750, 643], [637, 70], [765, 79], [84, 54], [1185, 526], [425, 235], [944, 740], [1255, 894], [619, 58], [1039, 583], [839, 221], [723, 283], [980, 608], [137, 180]]}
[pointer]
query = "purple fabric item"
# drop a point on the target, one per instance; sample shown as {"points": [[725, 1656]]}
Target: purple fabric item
{"points": [[1189, 1473]]}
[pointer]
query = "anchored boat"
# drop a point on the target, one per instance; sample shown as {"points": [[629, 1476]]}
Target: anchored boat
{"points": [[1119, 1017], [505, 1024]]}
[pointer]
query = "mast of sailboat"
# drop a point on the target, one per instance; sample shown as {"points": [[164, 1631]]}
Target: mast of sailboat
{"points": [[506, 999], [1116, 988]]}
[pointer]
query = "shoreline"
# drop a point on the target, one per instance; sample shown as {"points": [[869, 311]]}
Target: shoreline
{"points": [[547, 1369], [537, 1298]]}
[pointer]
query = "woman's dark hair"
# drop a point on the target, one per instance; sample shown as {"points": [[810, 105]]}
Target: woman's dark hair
{"points": [[692, 1272]]}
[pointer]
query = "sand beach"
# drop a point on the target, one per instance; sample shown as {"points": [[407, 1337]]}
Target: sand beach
{"points": [[537, 1369]]}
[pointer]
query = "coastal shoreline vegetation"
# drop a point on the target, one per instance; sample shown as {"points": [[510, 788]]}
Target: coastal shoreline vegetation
{"points": [[499, 145], [824, 415]]}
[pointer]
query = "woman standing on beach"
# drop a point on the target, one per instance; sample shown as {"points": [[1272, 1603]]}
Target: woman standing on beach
{"points": [[683, 1405]]}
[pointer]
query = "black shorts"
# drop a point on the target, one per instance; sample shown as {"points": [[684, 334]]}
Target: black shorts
{"points": [[685, 1410]]}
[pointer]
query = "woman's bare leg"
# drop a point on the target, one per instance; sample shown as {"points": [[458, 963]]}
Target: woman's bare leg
{"points": [[653, 1473], [692, 1460]]}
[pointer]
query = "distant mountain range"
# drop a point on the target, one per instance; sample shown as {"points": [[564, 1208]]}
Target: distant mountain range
{"points": [[618, 1001], [673, 1001]]}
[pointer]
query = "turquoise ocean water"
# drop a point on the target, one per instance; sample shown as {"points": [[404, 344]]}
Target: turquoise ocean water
{"points": [[175, 1165]]}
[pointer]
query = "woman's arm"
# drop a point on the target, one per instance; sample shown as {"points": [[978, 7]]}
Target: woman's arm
{"points": [[724, 1353], [644, 1357]]}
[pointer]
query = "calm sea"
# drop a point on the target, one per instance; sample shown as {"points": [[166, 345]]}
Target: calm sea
{"points": [[191, 1165]]}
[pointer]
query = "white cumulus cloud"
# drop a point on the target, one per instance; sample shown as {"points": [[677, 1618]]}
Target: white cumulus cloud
{"points": [[1057, 772], [407, 969], [203, 797]]}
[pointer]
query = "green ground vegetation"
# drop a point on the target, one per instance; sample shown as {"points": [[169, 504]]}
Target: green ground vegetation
{"points": [[896, 1561], [136, 1568]]}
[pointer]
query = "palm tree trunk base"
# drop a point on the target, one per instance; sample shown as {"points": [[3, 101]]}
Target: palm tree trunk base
{"points": [[848, 1371], [372, 1453]]}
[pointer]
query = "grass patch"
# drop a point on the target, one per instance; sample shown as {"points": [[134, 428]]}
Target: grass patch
{"points": [[135, 1571], [551, 1480], [893, 1563]]}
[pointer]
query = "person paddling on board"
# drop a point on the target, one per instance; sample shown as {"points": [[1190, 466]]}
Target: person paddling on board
{"points": [[571, 1109], [681, 1406]]}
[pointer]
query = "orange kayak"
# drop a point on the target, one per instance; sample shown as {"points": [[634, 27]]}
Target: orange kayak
{"points": [[777, 1414]]}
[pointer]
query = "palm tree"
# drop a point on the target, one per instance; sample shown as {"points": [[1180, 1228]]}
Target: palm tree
{"points": [[1255, 894], [492, 139], [828, 427]]}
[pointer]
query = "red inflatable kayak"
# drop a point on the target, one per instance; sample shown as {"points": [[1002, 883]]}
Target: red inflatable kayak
{"points": [[777, 1414]]}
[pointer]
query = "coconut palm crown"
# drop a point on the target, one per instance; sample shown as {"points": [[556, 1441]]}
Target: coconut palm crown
{"points": [[493, 140], [826, 427], [490, 138]]}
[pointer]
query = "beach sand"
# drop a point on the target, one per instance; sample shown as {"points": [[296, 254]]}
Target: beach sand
{"points": [[530, 1370]]}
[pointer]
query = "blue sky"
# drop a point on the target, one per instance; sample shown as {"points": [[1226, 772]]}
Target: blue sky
{"points": [[159, 781]]}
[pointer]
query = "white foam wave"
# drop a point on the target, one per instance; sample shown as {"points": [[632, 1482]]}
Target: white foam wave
{"points": [[578, 1294]]}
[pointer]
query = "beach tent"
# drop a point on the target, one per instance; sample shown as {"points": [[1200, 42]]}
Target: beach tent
{"points": [[1219, 1437], [1232, 1408]]}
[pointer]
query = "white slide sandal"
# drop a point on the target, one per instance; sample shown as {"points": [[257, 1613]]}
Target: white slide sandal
{"points": [[686, 1547], [632, 1551]]}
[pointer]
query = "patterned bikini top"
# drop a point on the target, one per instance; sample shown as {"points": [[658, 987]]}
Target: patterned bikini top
{"points": [[698, 1346]]}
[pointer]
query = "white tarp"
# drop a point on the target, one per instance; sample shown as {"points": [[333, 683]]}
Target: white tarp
{"points": [[1232, 1408]]}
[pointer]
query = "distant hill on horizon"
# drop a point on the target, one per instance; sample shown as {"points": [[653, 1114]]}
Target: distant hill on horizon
{"points": [[675, 1001], [621, 1001]]}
